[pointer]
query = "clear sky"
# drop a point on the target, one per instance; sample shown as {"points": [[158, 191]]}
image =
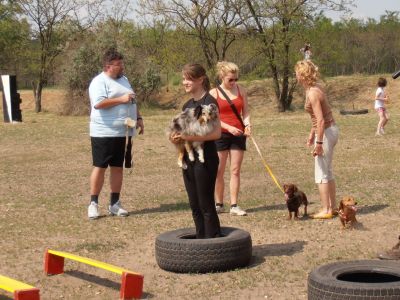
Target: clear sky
{"points": [[369, 9]]}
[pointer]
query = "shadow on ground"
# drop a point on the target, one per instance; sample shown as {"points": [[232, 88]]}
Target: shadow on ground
{"points": [[162, 208], [101, 281], [369, 209], [260, 252], [267, 208], [279, 206]]}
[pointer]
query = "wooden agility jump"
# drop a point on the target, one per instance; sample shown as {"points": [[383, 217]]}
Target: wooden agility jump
{"points": [[21, 291], [131, 282]]}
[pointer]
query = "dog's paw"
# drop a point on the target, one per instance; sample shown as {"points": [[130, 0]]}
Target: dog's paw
{"points": [[201, 159], [191, 157], [182, 165]]}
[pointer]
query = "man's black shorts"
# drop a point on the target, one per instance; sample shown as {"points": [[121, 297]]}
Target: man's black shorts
{"points": [[229, 141], [108, 151]]}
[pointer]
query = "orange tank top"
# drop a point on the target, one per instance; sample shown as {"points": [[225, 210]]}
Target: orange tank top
{"points": [[226, 113]]}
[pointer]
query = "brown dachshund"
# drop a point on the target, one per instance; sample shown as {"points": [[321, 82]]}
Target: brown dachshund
{"points": [[347, 211], [294, 199]]}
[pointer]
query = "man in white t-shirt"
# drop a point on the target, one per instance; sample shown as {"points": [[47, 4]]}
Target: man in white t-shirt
{"points": [[113, 107]]}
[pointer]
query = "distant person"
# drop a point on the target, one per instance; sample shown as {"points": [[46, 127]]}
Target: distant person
{"points": [[323, 136], [112, 101], [199, 178], [380, 98], [306, 50], [232, 143]]}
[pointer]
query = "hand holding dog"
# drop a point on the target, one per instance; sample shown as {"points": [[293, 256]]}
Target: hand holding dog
{"points": [[175, 138]]}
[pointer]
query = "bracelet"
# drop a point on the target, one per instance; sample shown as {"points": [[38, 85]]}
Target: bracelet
{"points": [[319, 143]]}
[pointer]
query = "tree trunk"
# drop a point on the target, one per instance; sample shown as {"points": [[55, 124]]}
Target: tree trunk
{"points": [[37, 93]]}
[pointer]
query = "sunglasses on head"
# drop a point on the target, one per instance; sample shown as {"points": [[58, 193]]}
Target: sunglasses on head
{"points": [[233, 79]]}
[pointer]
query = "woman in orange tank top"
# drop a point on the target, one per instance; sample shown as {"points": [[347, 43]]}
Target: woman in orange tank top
{"points": [[232, 143], [323, 136]]}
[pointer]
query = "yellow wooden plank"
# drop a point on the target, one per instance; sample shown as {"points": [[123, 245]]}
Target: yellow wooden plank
{"points": [[11, 285], [91, 262]]}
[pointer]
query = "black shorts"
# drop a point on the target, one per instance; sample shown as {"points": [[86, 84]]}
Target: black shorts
{"points": [[229, 141], [108, 151]]}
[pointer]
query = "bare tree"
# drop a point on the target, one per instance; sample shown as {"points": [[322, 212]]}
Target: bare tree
{"points": [[274, 23], [53, 24], [212, 22]]}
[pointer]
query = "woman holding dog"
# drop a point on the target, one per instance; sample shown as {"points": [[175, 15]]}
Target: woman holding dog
{"points": [[232, 143], [199, 178], [323, 136]]}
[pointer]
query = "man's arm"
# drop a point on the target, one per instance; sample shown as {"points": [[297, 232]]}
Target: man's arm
{"points": [[110, 102], [139, 122]]}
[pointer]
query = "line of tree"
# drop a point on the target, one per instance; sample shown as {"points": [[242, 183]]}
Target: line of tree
{"points": [[61, 41]]}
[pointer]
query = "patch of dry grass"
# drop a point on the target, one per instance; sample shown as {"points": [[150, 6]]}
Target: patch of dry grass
{"points": [[44, 173]]}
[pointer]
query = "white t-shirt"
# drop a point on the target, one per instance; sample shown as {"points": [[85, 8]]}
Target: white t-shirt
{"points": [[380, 93], [109, 122]]}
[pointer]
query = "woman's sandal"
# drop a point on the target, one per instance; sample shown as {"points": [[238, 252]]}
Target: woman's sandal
{"points": [[321, 215]]}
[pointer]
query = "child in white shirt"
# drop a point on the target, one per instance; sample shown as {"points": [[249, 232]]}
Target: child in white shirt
{"points": [[380, 98]]}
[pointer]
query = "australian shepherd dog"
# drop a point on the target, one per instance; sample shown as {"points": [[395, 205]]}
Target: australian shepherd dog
{"points": [[197, 121]]}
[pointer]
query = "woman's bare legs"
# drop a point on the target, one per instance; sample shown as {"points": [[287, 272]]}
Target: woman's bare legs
{"points": [[324, 197], [332, 196], [236, 159], [220, 183]]}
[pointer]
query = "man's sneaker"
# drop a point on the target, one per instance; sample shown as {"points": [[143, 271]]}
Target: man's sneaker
{"points": [[237, 211], [393, 253], [219, 209], [117, 210], [93, 211]]}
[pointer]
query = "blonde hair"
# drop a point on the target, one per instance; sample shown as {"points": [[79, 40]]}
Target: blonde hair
{"points": [[225, 67], [307, 72]]}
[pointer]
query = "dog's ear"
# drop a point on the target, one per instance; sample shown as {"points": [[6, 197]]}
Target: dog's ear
{"points": [[285, 186], [341, 206], [295, 189], [213, 107], [198, 111]]}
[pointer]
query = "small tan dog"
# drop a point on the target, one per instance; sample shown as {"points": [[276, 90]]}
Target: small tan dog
{"points": [[347, 211]]}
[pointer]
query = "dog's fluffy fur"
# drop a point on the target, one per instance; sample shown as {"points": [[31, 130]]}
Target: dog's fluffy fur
{"points": [[347, 211], [294, 199], [197, 121]]}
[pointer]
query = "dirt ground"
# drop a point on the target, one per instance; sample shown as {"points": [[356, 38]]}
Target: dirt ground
{"points": [[44, 172]]}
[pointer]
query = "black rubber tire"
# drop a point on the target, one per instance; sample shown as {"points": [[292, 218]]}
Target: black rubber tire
{"points": [[179, 251], [396, 74], [354, 112], [330, 281]]}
